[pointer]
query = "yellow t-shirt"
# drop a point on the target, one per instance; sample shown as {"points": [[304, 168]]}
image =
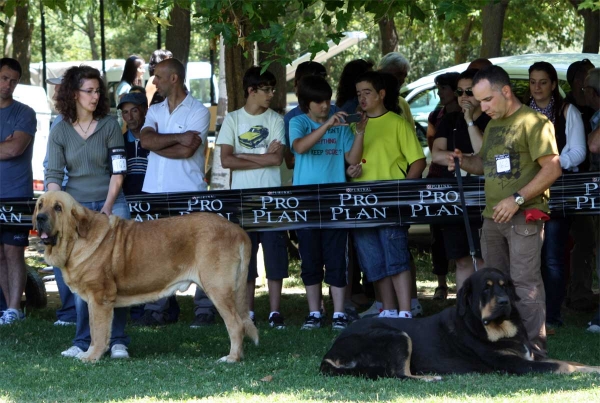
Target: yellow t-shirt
{"points": [[390, 146]]}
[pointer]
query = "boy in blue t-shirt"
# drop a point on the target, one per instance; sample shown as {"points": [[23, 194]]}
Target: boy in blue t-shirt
{"points": [[322, 143]]}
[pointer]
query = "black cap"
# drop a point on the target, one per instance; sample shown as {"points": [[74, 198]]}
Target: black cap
{"points": [[135, 98]]}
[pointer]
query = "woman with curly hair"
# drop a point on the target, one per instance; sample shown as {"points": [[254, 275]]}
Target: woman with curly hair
{"points": [[82, 143]]}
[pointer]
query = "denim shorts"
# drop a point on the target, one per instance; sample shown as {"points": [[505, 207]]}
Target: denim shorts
{"points": [[382, 251], [274, 245]]}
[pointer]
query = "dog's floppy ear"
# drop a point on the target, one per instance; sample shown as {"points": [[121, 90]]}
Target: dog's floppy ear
{"points": [[81, 220], [35, 212], [463, 299]]}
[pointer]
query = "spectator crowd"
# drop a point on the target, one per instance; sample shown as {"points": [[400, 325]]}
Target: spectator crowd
{"points": [[520, 146]]}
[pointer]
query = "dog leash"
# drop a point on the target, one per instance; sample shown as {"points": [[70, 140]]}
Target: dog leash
{"points": [[463, 205]]}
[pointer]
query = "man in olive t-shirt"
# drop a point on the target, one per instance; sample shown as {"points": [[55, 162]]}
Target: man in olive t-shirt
{"points": [[519, 160]]}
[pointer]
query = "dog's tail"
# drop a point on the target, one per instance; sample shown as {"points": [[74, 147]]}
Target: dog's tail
{"points": [[241, 285]]}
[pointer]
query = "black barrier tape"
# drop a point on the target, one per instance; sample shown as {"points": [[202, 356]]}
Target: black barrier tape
{"points": [[337, 205]]}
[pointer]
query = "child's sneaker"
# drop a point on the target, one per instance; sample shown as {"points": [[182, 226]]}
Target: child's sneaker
{"points": [[311, 322], [416, 310], [374, 310], [276, 321], [388, 313], [340, 322]]}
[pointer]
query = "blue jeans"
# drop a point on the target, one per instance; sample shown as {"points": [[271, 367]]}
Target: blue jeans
{"points": [[82, 334], [554, 256], [67, 311], [382, 251], [3, 305]]}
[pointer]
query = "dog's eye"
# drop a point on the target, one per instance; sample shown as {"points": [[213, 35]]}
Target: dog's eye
{"points": [[58, 207]]}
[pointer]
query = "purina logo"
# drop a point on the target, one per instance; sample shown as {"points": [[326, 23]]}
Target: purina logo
{"points": [[279, 192], [595, 179], [203, 197], [438, 187], [350, 190]]}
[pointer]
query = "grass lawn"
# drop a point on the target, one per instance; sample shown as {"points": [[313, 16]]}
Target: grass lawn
{"points": [[178, 364]]}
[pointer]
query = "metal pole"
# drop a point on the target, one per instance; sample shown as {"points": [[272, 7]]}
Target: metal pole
{"points": [[102, 42], [213, 101], [43, 15], [158, 37]]}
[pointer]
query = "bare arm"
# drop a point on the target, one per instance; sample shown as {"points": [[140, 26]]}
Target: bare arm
{"points": [[550, 171], [304, 144], [439, 151], [415, 171], [594, 141], [14, 145], [430, 135], [355, 154], [273, 156], [175, 145], [470, 163], [114, 188]]}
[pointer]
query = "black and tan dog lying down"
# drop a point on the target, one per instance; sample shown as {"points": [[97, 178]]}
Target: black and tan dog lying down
{"points": [[111, 262], [483, 333]]}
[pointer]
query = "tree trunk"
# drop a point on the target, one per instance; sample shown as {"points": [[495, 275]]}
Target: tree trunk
{"points": [[91, 33], [235, 66], [492, 20], [462, 49], [220, 177], [278, 103], [178, 33], [388, 34], [22, 42], [591, 34]]}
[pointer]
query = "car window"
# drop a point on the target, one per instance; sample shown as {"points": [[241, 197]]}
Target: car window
{"points": [[422, 104]]}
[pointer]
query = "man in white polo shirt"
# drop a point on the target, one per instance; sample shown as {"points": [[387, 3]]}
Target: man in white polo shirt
{"points": [[175, 132]]}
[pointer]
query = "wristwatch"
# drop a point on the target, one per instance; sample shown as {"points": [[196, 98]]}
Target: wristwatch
{"points": [[471, 123], [519, 199]]}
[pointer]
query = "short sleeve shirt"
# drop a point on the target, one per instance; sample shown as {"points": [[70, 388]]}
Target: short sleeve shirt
{"points": [[520, 140], [325, 161], [252, 134], [177, 175], [16, 175]]}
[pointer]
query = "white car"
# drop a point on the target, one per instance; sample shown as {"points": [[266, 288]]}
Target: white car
{"points": [[422, 96]]}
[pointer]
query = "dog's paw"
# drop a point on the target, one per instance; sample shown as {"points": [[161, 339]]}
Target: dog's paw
{"points": [[229, 359], [87, 357]]}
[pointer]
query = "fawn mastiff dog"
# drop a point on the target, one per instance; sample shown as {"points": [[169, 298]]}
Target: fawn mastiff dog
{"points": [[111, 262], [482, 333]]}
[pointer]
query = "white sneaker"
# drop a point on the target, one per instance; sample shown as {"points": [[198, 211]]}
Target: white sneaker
{"points": [[72, 352], [416, 310], [388, 314], [119, 351], [63, 323], [372, 311]]}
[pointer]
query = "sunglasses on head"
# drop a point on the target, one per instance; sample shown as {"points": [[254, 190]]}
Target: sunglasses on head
{"points": [[459, 92]]}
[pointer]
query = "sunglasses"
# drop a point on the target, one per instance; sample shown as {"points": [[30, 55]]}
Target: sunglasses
{"points": [[459, 93]]}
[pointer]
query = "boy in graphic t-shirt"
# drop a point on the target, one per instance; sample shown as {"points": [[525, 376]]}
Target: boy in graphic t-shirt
{"points": [[251, 141], [322, 143]]}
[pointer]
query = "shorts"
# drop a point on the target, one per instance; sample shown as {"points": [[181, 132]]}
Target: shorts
{"points": [[14, 237], [382, 251], [323, 247], [456, 242], [274, 245]]}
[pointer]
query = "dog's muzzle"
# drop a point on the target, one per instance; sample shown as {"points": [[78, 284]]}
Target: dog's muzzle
{"points": [[44, 231], [501, 311]]}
